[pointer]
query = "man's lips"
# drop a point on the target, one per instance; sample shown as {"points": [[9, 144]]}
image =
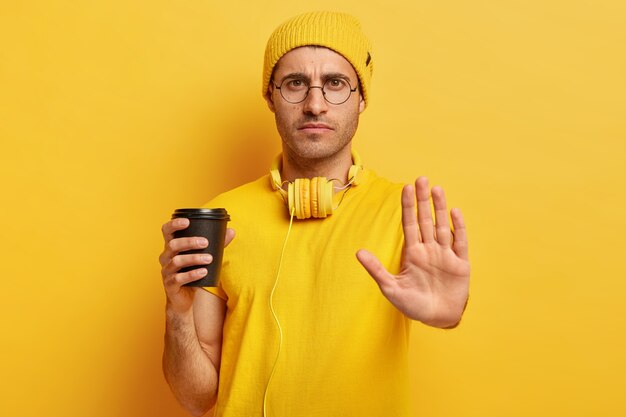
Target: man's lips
{"points": [[315, 127]]}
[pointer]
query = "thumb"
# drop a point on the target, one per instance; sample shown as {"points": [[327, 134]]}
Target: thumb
{"points": [[373, 266], [230, 235]]}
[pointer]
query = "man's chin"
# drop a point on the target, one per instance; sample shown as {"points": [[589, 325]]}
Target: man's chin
{"points": [[314, 149], [316, 135]]}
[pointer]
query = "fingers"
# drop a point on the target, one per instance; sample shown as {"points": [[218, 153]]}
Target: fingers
{"points": [[172, 261], [174, 281], [179, 262], [174, 246], [373, 266], [172, 226], [442, 225], [409, 219], [179, 267], [430, 231], [177, 273], [424, 215], [459, 246]]}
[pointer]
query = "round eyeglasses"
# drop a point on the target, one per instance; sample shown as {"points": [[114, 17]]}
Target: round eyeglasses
{"points": [[335, 90]]}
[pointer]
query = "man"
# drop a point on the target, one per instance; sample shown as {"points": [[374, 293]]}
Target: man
{"points": [[296, 327]]}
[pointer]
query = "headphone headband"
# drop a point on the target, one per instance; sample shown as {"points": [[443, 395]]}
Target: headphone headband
{"points": [[353, 172]]}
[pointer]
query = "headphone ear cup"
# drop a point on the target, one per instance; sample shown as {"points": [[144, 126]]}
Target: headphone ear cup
{"points": [[298, 196], [291, 199], [310, 197], [297, 201], [325, 197], [313, 187], [305, 198]]}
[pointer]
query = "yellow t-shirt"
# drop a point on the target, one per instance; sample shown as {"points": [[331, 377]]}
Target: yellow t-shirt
{"points": [[344, 346]]}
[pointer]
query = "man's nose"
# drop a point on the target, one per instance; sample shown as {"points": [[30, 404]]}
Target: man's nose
{"points": [[315, 103]]}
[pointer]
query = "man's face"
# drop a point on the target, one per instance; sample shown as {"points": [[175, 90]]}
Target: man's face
{"points": [[314, 128]]}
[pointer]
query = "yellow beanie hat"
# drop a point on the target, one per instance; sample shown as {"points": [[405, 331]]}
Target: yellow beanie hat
{"points": [[337, 31]]}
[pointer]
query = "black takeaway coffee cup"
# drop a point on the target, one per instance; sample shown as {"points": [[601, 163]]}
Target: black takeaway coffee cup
{"points": [[211, 224]]}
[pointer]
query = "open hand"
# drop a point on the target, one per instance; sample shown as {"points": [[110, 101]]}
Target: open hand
{"points": [[433, 283]]}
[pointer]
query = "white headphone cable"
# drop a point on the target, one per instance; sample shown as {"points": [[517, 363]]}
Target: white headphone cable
{"points": [[280, 330]]}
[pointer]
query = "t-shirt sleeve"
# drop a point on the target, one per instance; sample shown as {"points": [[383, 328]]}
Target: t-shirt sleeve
{"points": [[217, 291]]}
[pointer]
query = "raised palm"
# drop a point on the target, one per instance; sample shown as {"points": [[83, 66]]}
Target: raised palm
{"points": [[433, 283]]}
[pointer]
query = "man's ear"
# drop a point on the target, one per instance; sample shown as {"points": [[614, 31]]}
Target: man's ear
{"points": [[268, 98], [361, 104]]}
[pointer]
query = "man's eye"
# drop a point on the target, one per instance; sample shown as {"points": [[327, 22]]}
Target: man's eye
{"points": [[336, 83], [295, 84]]}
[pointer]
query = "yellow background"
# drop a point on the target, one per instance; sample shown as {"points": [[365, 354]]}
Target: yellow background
{"points": [[114, 113]]}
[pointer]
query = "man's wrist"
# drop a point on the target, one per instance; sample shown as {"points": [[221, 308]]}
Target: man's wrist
{"points": [[176, 319]]}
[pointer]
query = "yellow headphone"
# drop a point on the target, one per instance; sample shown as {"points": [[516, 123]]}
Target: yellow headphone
{"points": [[311, 197]]}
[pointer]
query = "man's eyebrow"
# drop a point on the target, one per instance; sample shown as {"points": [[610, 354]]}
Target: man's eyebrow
{"points": [[331, 75], [325, 77], [297, 75]]}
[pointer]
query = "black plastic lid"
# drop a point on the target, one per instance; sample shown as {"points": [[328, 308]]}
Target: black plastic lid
{"points": [[202, 213]]}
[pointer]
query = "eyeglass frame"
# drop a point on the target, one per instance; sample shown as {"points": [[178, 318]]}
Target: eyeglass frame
{"points": [[279, 88]]}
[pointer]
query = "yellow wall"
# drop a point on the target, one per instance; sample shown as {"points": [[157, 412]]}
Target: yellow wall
{"points": [[112, 114]]}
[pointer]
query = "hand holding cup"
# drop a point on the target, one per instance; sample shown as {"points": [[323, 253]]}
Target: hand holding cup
{"points": [[192, 255]]}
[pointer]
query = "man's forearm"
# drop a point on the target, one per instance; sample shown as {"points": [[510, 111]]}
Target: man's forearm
{"points": [[188, 369]]}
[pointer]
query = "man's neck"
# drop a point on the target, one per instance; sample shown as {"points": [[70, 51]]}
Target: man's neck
{"points": [[333, 167]]}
